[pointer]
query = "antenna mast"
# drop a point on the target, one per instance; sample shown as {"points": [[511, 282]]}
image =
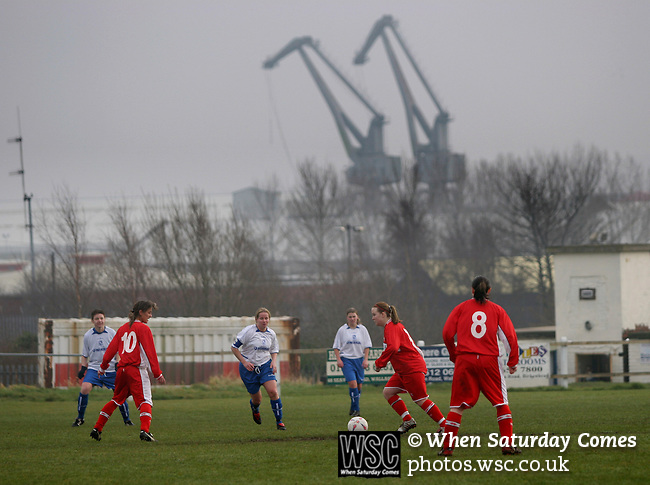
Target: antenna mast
{"points": [[26, 198]]}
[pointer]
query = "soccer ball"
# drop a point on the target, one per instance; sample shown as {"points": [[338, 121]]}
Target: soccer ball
{"points": [[357, 424]]}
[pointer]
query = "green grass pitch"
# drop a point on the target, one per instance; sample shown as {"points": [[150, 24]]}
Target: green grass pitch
{"points": [[206, 435]]}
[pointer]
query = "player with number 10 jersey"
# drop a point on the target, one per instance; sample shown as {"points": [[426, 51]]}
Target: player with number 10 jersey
{"points": [[134, 342]]}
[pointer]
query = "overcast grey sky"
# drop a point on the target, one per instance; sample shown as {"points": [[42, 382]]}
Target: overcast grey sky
{"points": [[123, 97]]}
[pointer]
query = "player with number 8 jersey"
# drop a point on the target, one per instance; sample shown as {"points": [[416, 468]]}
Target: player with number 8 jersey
{"points": [[478, 325], [134, 343]]}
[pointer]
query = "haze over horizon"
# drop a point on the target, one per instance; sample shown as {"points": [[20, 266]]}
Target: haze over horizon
{"points": [[125, 98]]}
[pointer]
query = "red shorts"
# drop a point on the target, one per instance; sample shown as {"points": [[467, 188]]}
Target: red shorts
{"points": [[474, 373], [132, 381], [412, 383]]}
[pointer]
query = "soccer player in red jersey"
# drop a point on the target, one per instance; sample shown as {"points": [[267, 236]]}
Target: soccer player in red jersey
{"points": [[408, 363], [134, 342], [477, 324]]}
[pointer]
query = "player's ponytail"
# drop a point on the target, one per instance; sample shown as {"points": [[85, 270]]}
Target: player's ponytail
{"points": [[393, 315], [481, 287], [389, 310], [140, 306]]}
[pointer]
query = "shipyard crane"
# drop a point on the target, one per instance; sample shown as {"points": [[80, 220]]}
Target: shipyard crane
{"points": [[370, 165], [437, 165]]}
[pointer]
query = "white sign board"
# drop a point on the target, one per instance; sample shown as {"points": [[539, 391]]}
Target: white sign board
{"points": [[534, 367], [644, 350]]}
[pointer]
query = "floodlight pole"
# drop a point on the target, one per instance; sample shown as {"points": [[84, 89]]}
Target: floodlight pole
{"points": [[26, 198], [348, 228]]}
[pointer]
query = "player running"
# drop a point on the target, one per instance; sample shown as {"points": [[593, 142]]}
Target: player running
{"points": [[134, 342], [351, 347], [408, 363], [476, 324], [96, 341], [256, 347]]}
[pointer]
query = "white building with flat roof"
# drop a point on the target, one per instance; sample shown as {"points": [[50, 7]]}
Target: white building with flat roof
{"points": [[600, 292]]}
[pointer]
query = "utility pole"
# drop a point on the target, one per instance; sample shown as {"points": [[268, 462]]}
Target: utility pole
{"points": [[349, 228], [26, 198]]}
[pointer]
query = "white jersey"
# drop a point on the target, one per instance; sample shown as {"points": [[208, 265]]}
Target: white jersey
{"points": [[95, 344], [352, 342], [256, 346]]}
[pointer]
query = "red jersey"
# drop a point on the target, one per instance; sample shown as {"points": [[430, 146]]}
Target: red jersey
{"points": [[401, 351], [477, 327], [135, 346]]}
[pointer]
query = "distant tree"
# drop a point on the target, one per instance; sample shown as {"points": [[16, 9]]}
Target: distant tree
{"points": [[543, 202], [244, 272], [64, 233], [211, 265], [26, 342], [185, 248], [366, 207], [127, 271], [626, 213], [315, 212], [407, 226], [408, 240], [472, 241], [468, 233]]}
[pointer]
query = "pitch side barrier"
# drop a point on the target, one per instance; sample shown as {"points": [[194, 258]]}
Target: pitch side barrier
{"points": [[535, 365], [615, 360], [192, 357], [440, 369], [541, 363], [190, 350]]}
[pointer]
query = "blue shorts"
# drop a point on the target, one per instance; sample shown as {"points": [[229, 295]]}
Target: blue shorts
{"points": [[353, 369], [107, 380], [255, 378]]}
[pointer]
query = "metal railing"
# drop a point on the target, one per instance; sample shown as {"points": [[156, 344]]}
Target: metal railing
{"points": [[16, 374], [27, 373]]}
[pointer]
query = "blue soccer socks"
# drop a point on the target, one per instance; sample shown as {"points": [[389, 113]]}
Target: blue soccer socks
{"points": [[124, 409], [82, 403], [276, 406], [354, 399]]}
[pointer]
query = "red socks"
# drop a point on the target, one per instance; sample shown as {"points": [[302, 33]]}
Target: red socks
{"points": [[145, 416], [451, 427], [399, 407], [110, 406], [105, 413], [427, 405], [504, 418], [433, 411]]}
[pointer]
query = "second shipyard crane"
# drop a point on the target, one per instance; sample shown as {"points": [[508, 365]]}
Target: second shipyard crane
{"points": [[434, 160], [370, 165]]}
